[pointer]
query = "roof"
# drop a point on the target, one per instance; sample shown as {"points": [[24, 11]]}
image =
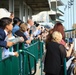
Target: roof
{"points": [[38, 5], [59, 2]]}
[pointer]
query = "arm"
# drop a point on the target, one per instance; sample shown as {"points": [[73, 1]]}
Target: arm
{"points": [[3, 43], [70, 50]]}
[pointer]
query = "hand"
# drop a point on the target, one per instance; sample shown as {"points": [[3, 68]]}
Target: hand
{"points": [[9, 44], [72, 45], [21, 39], [16, 54], [31, 38]]}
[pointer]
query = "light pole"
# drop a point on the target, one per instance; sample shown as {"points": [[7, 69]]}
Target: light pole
{"points": [[69, 6], [68, 12], [65, 21], [56, 12], [65, 13], [72, 3]]}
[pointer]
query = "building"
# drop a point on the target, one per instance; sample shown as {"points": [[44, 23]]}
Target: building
{"points": [[24, 9], [52, 16]]}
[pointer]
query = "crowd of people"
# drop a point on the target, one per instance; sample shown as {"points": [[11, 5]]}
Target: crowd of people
{"points": [[14, 30]]}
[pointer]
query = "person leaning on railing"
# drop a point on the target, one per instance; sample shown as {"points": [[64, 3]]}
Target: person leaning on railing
{"points": [[6, 27], [20, 32]]}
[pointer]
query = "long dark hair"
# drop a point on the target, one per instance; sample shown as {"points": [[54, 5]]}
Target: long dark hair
{"points": [[57, 27], [60, 28]]}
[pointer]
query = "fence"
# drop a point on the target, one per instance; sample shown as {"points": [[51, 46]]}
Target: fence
{"points": [[25, 64]]}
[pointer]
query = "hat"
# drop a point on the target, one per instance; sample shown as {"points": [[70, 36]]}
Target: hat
{"points": [[4, 13]]}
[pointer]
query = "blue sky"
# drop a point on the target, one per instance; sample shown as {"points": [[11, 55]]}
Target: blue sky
{"points": [[69, 20]]}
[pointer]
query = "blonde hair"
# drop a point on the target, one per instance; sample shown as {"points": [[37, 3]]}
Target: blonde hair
{"points": [[23, 27], [57, 36]]}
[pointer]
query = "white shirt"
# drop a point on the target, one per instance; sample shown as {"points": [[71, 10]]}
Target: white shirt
{"points": [[5, 32], [6, 52], [68, 63]]}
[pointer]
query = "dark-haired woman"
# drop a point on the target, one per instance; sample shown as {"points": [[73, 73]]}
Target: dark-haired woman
{"points": [[60, 28]]}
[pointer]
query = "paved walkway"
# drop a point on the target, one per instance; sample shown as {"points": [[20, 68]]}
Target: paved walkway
{"points": [[39, 69]]}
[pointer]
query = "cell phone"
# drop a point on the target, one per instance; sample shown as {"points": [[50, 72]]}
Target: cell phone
{"points": [[70, 40], [30, 32]]}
